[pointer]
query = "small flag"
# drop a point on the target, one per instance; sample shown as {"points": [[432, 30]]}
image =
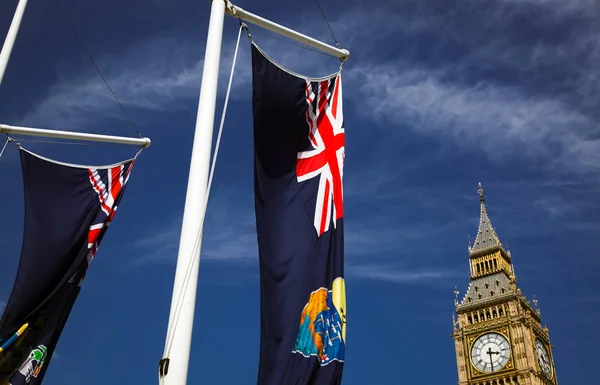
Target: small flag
{"points": [[298, 162], [67, 211]]}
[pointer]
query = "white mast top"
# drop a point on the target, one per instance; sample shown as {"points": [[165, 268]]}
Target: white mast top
{"points": [[237, 12], [6, 129], [11, 36]]}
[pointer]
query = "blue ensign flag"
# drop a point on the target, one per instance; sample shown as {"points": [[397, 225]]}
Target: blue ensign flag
{"points": [[67, 211], [298, 169]]}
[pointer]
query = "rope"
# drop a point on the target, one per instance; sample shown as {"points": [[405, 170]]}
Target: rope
{"points": [[97, 69], [8, 139], [330, 30], [171, 331]]}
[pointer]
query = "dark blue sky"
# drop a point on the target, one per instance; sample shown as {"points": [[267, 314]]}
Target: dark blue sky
{"points": [[438, 95]]}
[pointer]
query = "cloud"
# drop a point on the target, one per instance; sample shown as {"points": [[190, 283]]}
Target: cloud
{"points": [[558, 7], [383, 235], [159, 74], [366, 250], [557, 206], [229, 235], [154, 75], [401, 275], [526, 92], [235, 241], [377, 245], [482, 116]]}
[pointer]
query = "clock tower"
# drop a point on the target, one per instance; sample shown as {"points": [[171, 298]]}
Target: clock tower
{"points": [[499, 337]]}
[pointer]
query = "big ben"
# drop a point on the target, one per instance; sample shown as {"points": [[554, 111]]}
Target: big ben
{"points": [[499, 337]]}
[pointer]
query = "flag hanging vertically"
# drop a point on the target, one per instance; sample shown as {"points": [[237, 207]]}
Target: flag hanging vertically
{"points": [[67, 211], [298, 169]]}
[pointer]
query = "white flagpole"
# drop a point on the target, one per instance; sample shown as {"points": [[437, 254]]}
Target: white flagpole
{"points": [[237, 12], [11, 36], [16, 130], [183, 301]]}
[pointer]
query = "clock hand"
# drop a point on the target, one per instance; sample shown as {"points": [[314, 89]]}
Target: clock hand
{"points": [[546, 360], [490, 352]]}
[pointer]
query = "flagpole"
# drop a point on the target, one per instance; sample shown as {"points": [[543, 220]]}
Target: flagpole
{"points": [[11, 36], [28, 131], [237, 12], [173, 368]]}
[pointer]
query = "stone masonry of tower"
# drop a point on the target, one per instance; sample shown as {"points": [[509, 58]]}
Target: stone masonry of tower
{"points": [[498, 336]]}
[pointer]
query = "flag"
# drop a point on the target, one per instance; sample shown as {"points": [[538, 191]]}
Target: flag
{"points": [[298, 169], [67, 211]]}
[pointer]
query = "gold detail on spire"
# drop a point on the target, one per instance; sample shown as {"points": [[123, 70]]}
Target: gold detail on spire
{"points": [[536, 306], [480, 192]]}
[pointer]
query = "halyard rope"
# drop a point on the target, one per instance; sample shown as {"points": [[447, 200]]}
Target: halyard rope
{"points": [[8, 140], [173, 326]]}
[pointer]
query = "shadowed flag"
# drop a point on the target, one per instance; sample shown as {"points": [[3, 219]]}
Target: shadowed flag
{"points": [[298, 170], [67, 211]]}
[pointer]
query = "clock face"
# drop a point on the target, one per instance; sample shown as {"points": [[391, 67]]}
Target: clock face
{"points": [[543, 358], [490, 352]]}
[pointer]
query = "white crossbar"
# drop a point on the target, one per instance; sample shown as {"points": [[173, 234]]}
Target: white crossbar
{"points": [[237, 12], [6, 129]]}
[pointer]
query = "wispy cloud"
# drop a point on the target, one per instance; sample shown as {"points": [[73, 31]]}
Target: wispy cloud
{"points": [[372, 237], [558, 7], [483, 116], [229, 235], [557, 206], [499, 92], [162, 73], [485, 85], [235, 241], [377, 245], [402, 274], [154, 75]]}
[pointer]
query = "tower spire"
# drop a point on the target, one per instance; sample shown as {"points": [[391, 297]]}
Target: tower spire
{"points": [[480, 192], [486, 238]]}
